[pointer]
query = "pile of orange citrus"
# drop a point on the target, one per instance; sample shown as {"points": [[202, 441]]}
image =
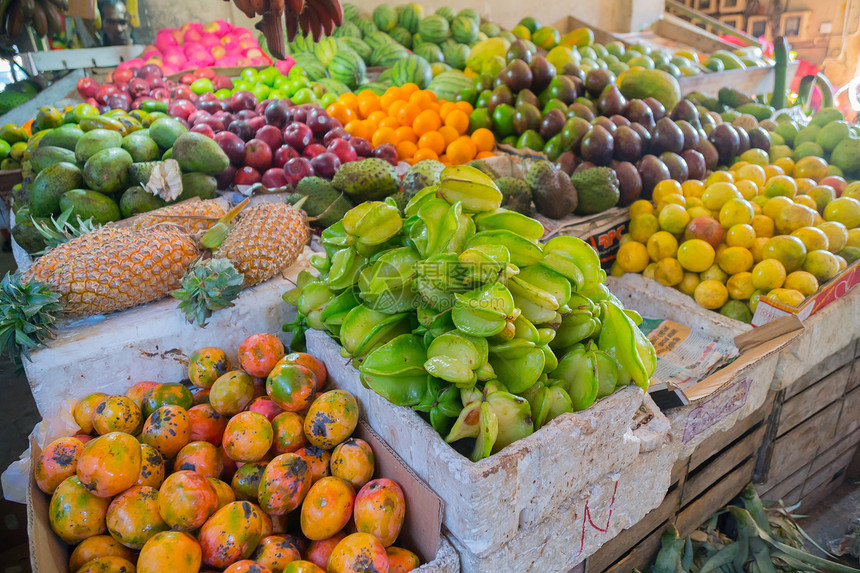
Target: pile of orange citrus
{"points": [[417, 124]]}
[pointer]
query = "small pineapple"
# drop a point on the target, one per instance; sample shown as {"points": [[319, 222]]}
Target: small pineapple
{"points": [[208, 286], [28, 311], [114, 269], [266, 239], [189, 216]]}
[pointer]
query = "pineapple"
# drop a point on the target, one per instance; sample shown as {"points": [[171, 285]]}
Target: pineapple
{"points": [[266, 239], [190, 216], [114, 269]]}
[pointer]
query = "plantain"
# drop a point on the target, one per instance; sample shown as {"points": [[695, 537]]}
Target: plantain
{"points": [[291, 23], [295, 6], [56, 22], [28, 7], [15, 22], [334, 10], [39, 20], [325, 21], [246, 7]]}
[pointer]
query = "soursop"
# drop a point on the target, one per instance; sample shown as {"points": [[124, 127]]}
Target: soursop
{"points": [[597, 189], [323, 201], [516, 194], [552, 192], [371, 179]]}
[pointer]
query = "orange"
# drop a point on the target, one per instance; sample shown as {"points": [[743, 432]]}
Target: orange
{"points": [[389, 122], [391, 95], [421, 99], [357, 128], [450, 134], [376, 117], [408, 114], [406, 149], [383, 135], [786, 164], [812, 167], [484, 139], [804, 184], [408, 89], [432, 140], [368, 102], [350, 100], [406, 133], [773, 171], [465, 106], [396, 108], [485, 154], [446, 108], [462, 150], [458, 120], [425, 153], [426, 121], [444, 159]]}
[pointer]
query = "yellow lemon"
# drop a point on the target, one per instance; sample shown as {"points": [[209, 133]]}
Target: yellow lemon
{"points": [[669, 272], [740, 286], [696, 255], [717, 194], [711, 294], [673, 218], [662, 245], [740, 236], [632, 257], [768, 275], [736, 212]]}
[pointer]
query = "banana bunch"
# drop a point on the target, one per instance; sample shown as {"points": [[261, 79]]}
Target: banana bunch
{"points": [[310, 17], [45, 16], [457, 310]]}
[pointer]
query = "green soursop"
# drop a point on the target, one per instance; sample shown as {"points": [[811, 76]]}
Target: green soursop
{"points": [[423, 174], [516, 194], [597, 189], [371, 179], [323, 201]]}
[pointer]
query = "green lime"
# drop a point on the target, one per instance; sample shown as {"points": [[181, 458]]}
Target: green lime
{"points": [[268, 75], [201, 86], [5, 148], [224, 94], [250, 75], [304, 95], [297, 72]]}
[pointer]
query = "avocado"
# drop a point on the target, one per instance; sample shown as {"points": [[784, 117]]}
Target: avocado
{"points": [[597, 189], [759, 111], [733, 98], [369, 180], [44, 157], [165, 130], [140, 147], [94, 141], [90, 204], [65, 136], [552, 192], [198, 185], [197, 153], [321, 195], [138, 200], [49, 185], [25, 233], [107, 170]]}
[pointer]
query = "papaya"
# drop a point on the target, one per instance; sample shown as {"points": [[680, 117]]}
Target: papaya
{"points": [[102, 122], [640, 84]]}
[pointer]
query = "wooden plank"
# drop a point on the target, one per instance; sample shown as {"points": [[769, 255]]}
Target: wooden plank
{"points": [[737, 454], [110, 56], [678, 30], [679, 8], [641, 556], [762, 465], [750, 80], [679, 471], [825, 367], [630, 538], [834, 471], [601, 36], [854, 378], [719, 441], [727, 488], [843, 449], [782, 489], [803, 406], [799, 446]]}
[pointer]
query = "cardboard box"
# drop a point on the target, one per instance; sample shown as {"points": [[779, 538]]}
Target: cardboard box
{"points": [[421, 530]]}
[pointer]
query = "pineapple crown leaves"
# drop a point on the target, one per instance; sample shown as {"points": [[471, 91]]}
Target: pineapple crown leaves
{"points": [[28, 313], [208, 286], [61, 230]]}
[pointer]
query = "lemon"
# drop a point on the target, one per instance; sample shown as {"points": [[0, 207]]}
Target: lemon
{"points": [[641, 207], [666, 187], [768, 275], [692, 188], [812, 238], [852, 238], [672, 199], [753, 173], [673, 219], [740, 285], [793, 217], [757, 249], [774, 205], [714, 273], [845, 210], [711, 294], [735, 260], [694, 202], [632, 257], [661, 245], [790, 297], [717, 194], [823, 265], [837, 235], [787, 250], [689, 283], [649, 271], [643, 226], [669, 272], [696, 255], [737, 310], [803, 282], [762, 225], [735, 212], [740, 236]]}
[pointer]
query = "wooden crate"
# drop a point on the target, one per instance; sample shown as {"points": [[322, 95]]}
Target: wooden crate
{"points": [[702, 483]]}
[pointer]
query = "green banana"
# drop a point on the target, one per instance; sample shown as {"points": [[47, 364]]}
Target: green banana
{"points": [[364, 329], [396, 372], [469, 186], [510, 220], [622, 340]]}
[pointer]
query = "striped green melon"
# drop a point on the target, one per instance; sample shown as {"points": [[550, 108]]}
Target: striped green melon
{"points": [[417, 40], [433, 29], [388, 55], [350, 12], [366, 26], [471, 14], [480, 53], [410, 15], [384, 17], [377, 40], [358, 46], [402, 36], [507, 35], [439, 67], [464, 30], [455, 55], [412, 69], [448, 84], [312, 66], [333, 86], [490, 29], [325, 50], [481, 37], [385, 77], [347, 29], [447, 12], [348, 67], [378, 88], [302, 45], [430, 52]]}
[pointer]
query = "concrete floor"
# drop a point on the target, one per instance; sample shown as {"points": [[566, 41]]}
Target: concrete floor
{"points": [[833, 517]]}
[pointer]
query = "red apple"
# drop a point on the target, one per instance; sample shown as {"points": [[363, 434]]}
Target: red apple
{"points": [[271, 135], [216, 124], [245, 114], [274, 178], [246, 176], [222, 83], [160, 94], [242, 129], [283, 154], [119, 100], [187, 79], [276, 114], [137, 88], [258, 154], [198, 115], [183, 92], [122, 75], [325, 164], [243, 100], [319, 121], [181, 109], [151, 69], [362, 146], [707, 229], [298, 135], [104, 91], [232, 145], [297, 169], [336, 133], [225, 178], [313, 150], [344, 151], [257, 122], [205, 73], [204, 129], [388, 152]]}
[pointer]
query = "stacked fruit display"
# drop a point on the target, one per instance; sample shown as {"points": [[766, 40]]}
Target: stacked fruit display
{"points": [[457, 311], [780, 229], [256, 471]]}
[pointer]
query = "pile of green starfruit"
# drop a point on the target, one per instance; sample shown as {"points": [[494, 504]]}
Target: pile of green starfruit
{"points": [[454, 308]]}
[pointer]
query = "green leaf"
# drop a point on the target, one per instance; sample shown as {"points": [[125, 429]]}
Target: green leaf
{"points": [[207, 287]]}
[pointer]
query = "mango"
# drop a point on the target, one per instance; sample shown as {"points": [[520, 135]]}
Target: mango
{"points": [[44, 157], [198, 185], [197, 153], [90, 204], [25, 234], [65, 136], [165, 130], [94, 141], [49, 185], [140, 147], [137, 200], [107, 170]]}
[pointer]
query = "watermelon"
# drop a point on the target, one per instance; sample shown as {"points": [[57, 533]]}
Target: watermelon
{"points": [[439, 67], [484, 51], [490, 29], [447, 12], [471, 14], [384, 17], [325, 50], [402, 36], [350, 12], [385, 77], [388, 55], [347, 29], [417, 40], [430, 52], [464, 30], [366, 26], [358, 46], [455, 55], [433, 29], [348, 67], [481, 37], [378, 88], [412, 69], [302, 45], [448, 84], [312, 66], [377, 40], [332, 86], [410, 15]]}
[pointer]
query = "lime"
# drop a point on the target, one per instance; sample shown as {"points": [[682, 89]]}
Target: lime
{"points": [[737, 310], [768, 275], [740, 285], [711, 294], [696, 255]]}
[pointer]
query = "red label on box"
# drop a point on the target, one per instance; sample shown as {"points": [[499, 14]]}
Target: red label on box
{"points": [[608, 241]]}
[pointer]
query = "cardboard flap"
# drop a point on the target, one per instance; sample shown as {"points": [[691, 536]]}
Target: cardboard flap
{"points": [[768, 332], [47, 553]]}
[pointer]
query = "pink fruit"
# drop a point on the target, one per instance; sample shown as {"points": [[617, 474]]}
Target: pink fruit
{"points": [[258, 154], [272, 179], [247, 176]]}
